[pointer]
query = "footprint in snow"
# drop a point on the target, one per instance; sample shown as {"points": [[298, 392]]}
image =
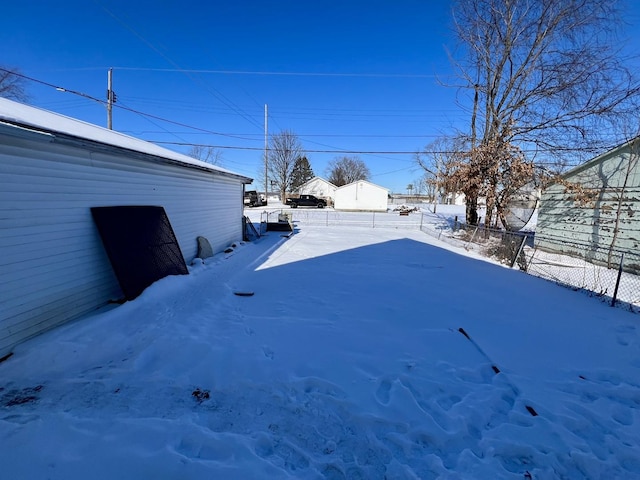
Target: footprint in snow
{"points": [[268, 352], [383, 393], [625, 335]]}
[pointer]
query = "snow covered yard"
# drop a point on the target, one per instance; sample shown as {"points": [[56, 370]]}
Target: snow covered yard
{"points": [[347, 362]]}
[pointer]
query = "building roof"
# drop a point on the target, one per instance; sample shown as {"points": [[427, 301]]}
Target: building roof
{"points": [[598, 158], [364, 181], [315, 179], [62, 128]]}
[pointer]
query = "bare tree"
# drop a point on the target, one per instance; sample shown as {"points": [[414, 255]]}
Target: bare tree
{"points": [[344, 170], [206, 154], [284, 150], [543, 76], [12, 85], [440, 160], [420, 185]]}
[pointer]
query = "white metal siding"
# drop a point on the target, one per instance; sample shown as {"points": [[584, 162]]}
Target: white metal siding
{"points": [[52, 262], [318, 187], [361, 196]]}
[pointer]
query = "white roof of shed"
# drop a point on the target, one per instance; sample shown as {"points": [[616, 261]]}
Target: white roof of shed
{"points": [[316, 179], [22, 115], [363, 181]]}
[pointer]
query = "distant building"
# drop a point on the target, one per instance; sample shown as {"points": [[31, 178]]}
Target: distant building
{"points": [[453, 199], [408, 198], [319, 187], [361, 196]]}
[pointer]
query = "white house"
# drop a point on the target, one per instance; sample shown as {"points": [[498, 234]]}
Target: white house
{"points": [[453, 199], [319, 187], [361, 196], [53, 169]]}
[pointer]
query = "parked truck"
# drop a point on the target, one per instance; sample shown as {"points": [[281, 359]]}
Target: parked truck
{"points": [[254, 199], [306, 201]]}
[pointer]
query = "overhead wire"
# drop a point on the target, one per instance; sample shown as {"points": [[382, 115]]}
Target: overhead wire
{"points": [[336, 150], [148, 119], [258, 136], [290, 73], [214, 92], [115, 105], [360, 152]]}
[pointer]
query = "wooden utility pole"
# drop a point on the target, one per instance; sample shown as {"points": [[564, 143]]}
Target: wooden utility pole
{"points": [[266, 154], [110, 98]]}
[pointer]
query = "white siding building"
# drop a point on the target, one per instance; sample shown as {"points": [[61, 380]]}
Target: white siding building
{"points": [[319, 187], [361, 196], [53, 169]]}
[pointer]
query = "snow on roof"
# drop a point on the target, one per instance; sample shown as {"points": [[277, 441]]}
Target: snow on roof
{"points": [[24, 115], [316, 178], [363, 181]]}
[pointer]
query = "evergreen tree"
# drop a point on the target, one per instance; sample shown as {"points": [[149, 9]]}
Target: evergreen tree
{"points": [[302, 172]]}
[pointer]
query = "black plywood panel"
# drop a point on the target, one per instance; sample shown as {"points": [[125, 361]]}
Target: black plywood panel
{"points": [[141, 245]]}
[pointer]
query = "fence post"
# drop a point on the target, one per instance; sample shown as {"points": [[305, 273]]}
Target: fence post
{"points": [[421, 219], [472, 237], [374, 220], [515, 259], [615, 291], [327, 218]]}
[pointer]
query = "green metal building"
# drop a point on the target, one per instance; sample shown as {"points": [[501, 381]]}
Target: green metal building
{"points": [[594, 210]]}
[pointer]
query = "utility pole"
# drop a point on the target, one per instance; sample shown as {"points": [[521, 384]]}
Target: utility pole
{"points": [[110, 98], [266, 156]]}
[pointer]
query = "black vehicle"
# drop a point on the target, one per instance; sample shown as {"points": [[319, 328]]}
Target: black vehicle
{"points": [[306, 201], [253, 199]]}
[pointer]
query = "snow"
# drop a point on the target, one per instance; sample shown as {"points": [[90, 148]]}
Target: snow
{"points": [[347, 362], [24, 115], [581, 274]]}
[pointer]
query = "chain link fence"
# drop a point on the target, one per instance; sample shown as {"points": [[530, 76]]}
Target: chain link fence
{"points": [[616, 281], [500, 245], [330, 218]]}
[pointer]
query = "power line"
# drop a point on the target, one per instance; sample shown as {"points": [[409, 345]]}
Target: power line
{"points": [[121, 107], [177, 68], [362, 152], [235, 147], [290, 74], [203, 130], [296, 109], [259, 136], [336, 150], [145, 117], [57, 87]]}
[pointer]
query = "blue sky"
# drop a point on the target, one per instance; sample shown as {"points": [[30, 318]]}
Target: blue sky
{"points": [[363, 76]]}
